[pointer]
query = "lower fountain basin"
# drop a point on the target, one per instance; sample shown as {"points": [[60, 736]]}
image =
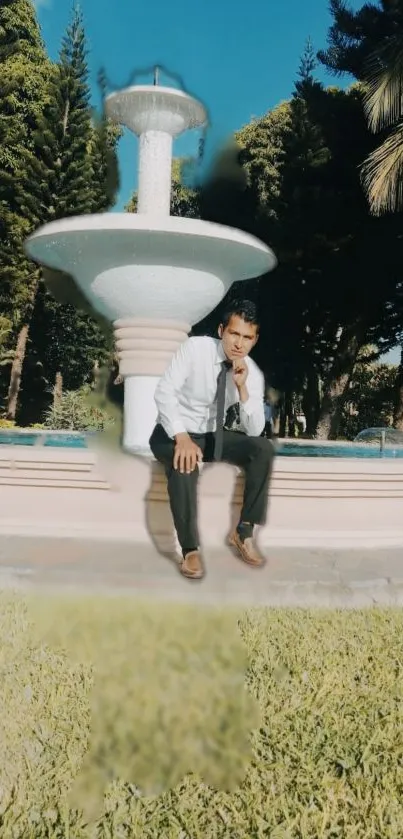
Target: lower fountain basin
{"points": [[314, 503], [130, 265]]}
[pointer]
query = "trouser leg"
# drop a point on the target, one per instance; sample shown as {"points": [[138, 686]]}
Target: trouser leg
{"points": [[182, 488], [255, 456]]}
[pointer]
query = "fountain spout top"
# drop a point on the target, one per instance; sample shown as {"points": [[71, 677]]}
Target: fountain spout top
{"points": [[153, 107], [156, 115]]}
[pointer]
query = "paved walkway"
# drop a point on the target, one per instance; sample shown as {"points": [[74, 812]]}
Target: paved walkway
{"points": [[293, 577]]}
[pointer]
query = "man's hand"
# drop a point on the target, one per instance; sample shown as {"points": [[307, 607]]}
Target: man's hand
{"points": [[240, 375], [187, 454]]}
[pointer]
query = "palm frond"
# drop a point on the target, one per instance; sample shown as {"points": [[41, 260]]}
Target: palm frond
{"points": [[383, 101], [382, 174]]}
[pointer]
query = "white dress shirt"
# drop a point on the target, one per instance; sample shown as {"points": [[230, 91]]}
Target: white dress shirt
{"points": [[186, 393]]}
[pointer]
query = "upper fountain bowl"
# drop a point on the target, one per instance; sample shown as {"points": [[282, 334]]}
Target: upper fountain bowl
{"points": [[151, 108], [131, 265]]}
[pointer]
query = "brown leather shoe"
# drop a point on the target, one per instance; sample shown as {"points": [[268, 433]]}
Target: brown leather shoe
{"points": [[192, 566], [247, 550]]}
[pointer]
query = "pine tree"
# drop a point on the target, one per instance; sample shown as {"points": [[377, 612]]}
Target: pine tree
{"points": [[105, 137], [23, 70], [60, 162], [74, 169], [356, 34]]}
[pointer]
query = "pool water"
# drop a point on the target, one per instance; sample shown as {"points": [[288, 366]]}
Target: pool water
{"points": [[19, 438], [288, 449], [334, 450]]}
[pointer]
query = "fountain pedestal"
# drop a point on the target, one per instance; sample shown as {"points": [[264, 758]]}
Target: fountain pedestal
{"points": [[155, 146], [145, 347]]}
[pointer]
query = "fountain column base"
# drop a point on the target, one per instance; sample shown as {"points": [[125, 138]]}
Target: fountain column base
{"points": [[145, 348]]}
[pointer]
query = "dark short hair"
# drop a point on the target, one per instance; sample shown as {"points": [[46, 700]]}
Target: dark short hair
{"points": [[244, 309]]}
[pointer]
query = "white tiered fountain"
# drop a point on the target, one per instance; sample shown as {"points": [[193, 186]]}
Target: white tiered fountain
{"points": [[152, 274]]}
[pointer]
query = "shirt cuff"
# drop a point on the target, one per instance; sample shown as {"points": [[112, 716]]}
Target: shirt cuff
{"points": [[177, 428]]}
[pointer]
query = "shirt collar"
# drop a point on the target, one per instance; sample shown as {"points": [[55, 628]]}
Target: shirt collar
{"points": [[220, 353]]}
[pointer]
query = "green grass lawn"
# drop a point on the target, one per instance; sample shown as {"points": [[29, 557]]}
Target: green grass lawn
{"points": [[313, 748]]}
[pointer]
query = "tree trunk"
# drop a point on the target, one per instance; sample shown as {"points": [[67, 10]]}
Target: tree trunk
{"points": [[95, 374], [334, 393], [19, 357], [16, 372], [311, 402], [282, 419], [289, 414], [58, 389], [398, 411]]}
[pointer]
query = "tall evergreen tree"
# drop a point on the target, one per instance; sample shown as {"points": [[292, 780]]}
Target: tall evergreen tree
{"points": [[356, 34], [73, 167], [24, 67], [105, 137], [60, 164]]}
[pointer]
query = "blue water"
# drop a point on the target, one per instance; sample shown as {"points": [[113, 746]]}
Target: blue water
{"points": [[289, 449], [70, 441], [66, 441], [353, 450]]}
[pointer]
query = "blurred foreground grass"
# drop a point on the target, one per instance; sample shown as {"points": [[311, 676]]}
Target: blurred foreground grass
{"points": [[168, 698], [169, 693]]}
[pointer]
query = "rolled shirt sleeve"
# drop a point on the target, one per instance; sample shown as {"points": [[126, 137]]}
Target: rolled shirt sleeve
{"points": [[251, 412], [168, 389]]}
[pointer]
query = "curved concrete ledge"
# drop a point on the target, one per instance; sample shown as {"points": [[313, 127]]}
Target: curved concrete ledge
{"points": [[49, 467], [356, 504], [313, 503]]}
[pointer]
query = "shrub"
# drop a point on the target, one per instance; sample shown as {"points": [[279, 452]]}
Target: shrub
{"points": [[370, 399], [74, 411], [6, 424]]}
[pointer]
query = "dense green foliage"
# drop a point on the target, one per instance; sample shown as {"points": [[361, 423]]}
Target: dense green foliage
{"points": [[57, 165], [292, 177]]}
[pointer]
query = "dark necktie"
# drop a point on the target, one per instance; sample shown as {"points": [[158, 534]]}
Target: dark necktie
{"points": [[221, 383]]}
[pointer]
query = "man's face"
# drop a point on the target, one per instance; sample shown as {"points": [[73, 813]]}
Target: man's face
{"points": [[238, 338]]}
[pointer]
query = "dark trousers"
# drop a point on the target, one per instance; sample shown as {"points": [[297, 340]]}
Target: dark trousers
{"points": [[253, 454]]}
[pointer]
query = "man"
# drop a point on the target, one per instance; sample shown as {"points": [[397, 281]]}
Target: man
{"points": [[205, 377]]}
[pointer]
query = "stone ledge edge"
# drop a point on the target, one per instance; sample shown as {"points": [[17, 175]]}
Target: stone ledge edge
{"points": [[138, 534]]}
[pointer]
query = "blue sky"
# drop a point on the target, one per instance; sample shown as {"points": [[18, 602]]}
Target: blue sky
{"points": [[240, 59]]}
